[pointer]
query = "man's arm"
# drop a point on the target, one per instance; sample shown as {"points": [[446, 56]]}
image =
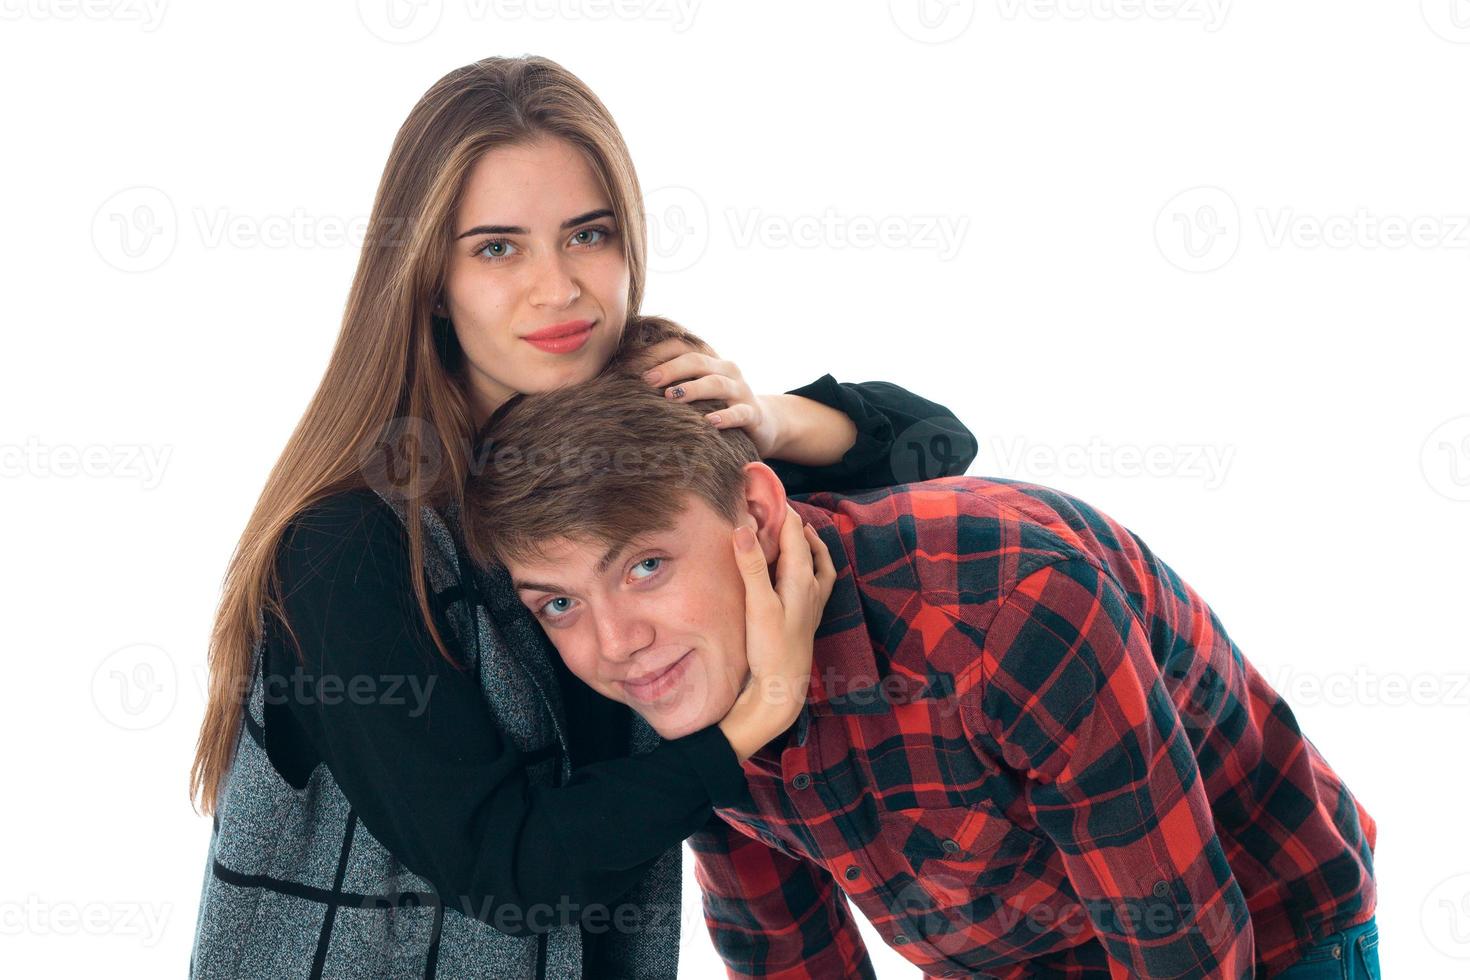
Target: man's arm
{"points": [[772, 915], [1072, 698]]}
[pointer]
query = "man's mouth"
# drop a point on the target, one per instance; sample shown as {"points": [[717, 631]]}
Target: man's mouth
{"points": [[650, 687]]}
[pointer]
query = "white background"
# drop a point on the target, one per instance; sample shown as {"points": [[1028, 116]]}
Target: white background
{"points": [[1227, 239]]}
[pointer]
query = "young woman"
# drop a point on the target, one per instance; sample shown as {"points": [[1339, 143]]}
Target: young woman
{"points": [[404, 781]]}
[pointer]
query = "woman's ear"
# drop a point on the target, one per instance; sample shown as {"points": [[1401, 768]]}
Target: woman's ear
{"points": [[765, 499]]}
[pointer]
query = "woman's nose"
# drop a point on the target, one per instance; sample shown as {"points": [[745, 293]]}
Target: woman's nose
{"points": [[554, 286]]}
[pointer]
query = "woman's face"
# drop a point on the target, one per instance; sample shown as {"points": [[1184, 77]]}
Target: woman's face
{"points": [[535, 247]]}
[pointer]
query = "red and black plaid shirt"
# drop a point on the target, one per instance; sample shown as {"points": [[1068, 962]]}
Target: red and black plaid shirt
{"points": [[1030, 750]]}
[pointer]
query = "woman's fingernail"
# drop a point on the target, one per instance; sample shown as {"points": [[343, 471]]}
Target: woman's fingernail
{"points": [[651, 376], [677, 392], [744, 537], [714, 420]]}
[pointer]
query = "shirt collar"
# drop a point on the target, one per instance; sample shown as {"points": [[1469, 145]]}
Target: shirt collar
{"points": [[850, 676]]}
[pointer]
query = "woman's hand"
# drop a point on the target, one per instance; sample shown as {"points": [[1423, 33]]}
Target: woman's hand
{"points": [[780, 624], [685, 374]]}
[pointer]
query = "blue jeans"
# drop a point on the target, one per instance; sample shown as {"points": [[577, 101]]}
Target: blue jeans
{"points": [[1348, 955]]}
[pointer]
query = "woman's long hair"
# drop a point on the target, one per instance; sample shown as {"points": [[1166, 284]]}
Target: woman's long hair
{"points": [[392, 410]]}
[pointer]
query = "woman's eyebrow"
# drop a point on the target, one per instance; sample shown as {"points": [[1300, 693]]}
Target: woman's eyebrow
{"points": [[518, 230]]}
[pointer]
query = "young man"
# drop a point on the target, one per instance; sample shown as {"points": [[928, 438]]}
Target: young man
{"points": [[1029, 748]]}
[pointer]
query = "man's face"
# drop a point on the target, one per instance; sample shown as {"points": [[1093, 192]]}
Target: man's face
{"points": [[661, 628]]}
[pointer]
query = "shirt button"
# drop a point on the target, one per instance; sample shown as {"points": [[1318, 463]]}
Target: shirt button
{"points": [[1161, 888], [949, 846], [853, 872], [801, 781], [900, 939], [1337, 952]]}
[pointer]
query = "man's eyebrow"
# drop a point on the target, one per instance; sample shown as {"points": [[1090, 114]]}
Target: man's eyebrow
{"points": [[518, 230], [602, 566]]}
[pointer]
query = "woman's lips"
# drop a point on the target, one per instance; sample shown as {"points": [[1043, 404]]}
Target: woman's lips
{"points": [[653, 688], [562, 338]]}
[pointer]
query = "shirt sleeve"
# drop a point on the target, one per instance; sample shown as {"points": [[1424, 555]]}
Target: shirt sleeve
{"points": [[901, 438], [414, 748], [772, 915], [1071, 695]]}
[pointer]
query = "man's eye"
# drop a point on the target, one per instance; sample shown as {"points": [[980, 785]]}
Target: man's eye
{"points": [[645, 561], [552, 602]]}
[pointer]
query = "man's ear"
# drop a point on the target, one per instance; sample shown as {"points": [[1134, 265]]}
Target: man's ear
{"points": [[765, 499]]}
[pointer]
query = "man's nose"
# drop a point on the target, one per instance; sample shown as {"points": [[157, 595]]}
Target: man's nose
{"points": [[622, 634], [554, 286]]}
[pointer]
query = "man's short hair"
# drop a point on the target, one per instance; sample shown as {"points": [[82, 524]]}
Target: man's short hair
{"points": [[600, 462]]}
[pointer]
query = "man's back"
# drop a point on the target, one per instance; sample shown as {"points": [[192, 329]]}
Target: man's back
{"points": [[1030, 747]]}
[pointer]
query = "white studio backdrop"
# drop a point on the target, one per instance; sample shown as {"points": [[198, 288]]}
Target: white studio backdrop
{"points": [[1202, 263]]}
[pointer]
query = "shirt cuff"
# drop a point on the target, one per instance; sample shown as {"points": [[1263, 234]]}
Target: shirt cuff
{"points": [[709, 753], [874, 429]]}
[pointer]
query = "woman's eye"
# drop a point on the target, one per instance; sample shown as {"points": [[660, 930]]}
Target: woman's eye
{"points": [[584, 236], [645, 561], [496, 250]]}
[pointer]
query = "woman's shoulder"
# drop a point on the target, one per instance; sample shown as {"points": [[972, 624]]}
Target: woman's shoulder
{"points": [[347, 532]]}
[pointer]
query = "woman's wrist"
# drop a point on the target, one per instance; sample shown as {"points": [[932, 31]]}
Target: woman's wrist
{"points": [[762, 712], [807, 432]]}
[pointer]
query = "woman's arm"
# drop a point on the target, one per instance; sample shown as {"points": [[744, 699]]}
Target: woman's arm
{"points": [[413, 746], [900, 437]]}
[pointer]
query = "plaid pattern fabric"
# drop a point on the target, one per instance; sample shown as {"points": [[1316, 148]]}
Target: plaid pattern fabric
{"points": [[1029, 750]]}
